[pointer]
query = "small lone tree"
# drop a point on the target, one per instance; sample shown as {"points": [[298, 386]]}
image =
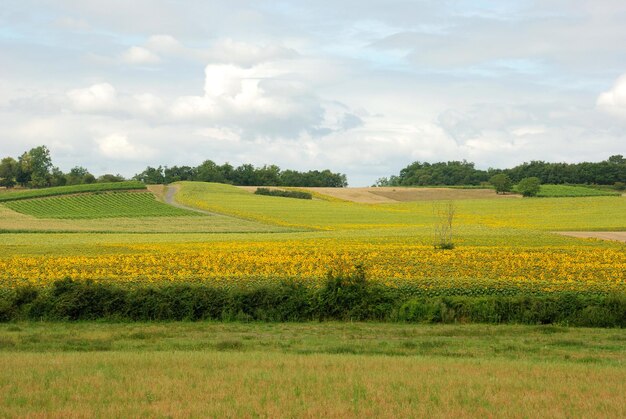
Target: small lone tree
{"points": [[529, 186], [444, 217], [502, 183]]}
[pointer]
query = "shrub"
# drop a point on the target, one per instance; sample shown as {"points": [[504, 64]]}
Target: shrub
{"points": [[529, 186], [283, 193], [347, 295], [501, 182], [619, 186]]}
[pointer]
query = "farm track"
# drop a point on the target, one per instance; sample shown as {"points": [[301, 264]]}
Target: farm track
{"points": [[168, 198]]}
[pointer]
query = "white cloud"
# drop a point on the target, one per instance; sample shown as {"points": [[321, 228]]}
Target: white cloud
{"points": [[147, 104], [116, 146], [164, 44], [614, 100], [247, 54], [221, 50], [100, 97], [260, 99], [139, 55]]}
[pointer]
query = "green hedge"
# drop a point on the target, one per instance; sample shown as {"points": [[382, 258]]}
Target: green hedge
{"points": [[68, 190], [343, 298], [283, 193]]}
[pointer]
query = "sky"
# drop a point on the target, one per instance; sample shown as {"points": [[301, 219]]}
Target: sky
{"points": [[358, 87]]}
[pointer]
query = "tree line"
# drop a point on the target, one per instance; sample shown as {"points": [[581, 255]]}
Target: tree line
{"points": [[608, 172], [244, 175], [34, 169]]}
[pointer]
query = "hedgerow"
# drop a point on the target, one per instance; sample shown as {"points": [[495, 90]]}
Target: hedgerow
{"points": [[283, 193], [343, 298]]}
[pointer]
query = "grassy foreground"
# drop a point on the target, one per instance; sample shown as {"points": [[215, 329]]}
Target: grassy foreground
{"points": [[309, 369]]}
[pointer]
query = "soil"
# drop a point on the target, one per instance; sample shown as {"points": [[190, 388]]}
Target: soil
{"points": [[603, 235]]}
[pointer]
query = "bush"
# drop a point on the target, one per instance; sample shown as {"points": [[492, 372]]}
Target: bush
{"points": [[501, 182], [529, 186], [283, 193], [346, 296], [619, 186]]}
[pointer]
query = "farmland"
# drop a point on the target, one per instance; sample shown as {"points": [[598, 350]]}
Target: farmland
{"points": [[502, 244], [111, 205], [249, 258]]}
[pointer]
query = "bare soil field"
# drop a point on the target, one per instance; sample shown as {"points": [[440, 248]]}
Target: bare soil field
{"points": [[398, 194], [388, 195], [603, 235]]}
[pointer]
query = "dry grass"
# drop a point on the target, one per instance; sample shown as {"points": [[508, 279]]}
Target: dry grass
{"points": [[234, 384], [309, 370], [602, 235], [14, 221]]}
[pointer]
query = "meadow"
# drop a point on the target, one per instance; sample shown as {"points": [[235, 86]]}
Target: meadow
{"points": [[262, 282], [310, 370]]}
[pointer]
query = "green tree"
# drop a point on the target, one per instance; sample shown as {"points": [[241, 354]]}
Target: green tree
{"points": [[151, 176], [8, 172], [107, 178], [529, 186], [501, 182], [57, 177], [79, 175], [41, 165]]}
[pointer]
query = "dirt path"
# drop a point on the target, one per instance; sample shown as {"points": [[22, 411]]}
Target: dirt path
{"points": [[168, 198], [603, 235]]}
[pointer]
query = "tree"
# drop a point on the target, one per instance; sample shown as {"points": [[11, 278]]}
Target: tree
{"points": [[151, 176], [501, 182], [107, 178], [529, 186], [40, 165], [8, 172], [444, 217], [57, 177], [79, 175]]}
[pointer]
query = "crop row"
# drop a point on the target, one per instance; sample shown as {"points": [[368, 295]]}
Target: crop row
{"points": [[104, 205], [68, 190]]}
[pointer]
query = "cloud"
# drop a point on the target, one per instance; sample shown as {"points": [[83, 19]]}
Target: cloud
{"points": [[259, 100], [117, 146], [221, 50], [103, 99], [247, 54], [139, 55], [100, 97], [614, 101]]}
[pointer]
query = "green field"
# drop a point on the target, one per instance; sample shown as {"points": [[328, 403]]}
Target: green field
{"points": [[100, 205], [556, 191], [585, 213], [14, 195]]}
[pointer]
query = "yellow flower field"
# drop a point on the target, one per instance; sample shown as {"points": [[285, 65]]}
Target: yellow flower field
{"points": [[394, 264]]}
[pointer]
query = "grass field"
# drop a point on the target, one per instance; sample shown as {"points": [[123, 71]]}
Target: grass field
{"points": [[599, 213], [312, 369], [572, 191], [330, 370]]}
